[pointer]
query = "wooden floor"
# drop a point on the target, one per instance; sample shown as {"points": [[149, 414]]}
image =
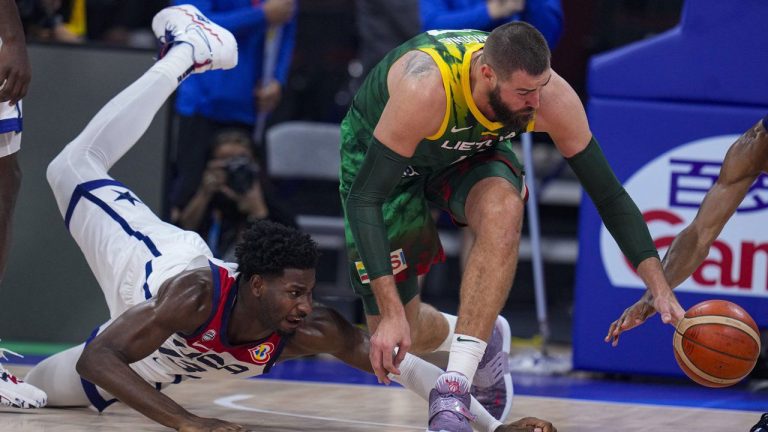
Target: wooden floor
{"points": [[279, 406]]}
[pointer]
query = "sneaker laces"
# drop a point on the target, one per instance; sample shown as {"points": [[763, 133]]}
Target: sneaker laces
{"points": [[6, 350], [3, 371], [170, 29]]}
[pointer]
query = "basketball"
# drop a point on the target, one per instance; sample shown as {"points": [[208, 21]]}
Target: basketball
{"points": [[717, 343]]}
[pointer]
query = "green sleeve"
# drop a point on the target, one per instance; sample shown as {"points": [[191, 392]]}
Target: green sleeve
{"points": [[379, 173], [619, 213]]}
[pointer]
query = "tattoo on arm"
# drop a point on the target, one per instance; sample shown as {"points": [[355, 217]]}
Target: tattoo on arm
{"points": [[419, 64]]}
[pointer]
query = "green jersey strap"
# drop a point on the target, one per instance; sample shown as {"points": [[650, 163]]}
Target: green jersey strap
{"points": [[617, 210], [377, 177]]}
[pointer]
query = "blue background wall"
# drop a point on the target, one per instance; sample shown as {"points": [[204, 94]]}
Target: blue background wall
{"points": [[704, 78]]}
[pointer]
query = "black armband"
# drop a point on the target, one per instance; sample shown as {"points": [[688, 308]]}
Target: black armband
{"points": [[379, 173], [617, 210]]}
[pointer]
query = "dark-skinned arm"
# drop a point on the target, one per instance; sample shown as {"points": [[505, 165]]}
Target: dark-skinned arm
{"points": [[743, 163], [181, 305], [14, 63], [745, 160], [325, 331]]}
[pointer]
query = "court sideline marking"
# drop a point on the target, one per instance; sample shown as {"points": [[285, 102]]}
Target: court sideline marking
{"points": [[232, 402]]}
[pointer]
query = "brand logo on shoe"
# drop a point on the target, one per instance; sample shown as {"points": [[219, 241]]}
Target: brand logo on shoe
{"points": [[453, 386], [209, 335], [8, 377]]}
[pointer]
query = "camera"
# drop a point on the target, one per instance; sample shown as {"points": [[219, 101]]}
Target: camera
{"points": [[241, 173]]}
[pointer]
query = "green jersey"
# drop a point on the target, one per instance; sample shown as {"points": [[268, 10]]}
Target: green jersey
{"points": [[466, 149], [464, 130]]}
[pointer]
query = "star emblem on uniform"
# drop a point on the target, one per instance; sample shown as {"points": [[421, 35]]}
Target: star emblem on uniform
{"points": [[126, 196]]}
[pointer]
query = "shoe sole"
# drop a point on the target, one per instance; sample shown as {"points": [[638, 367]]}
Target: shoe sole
{"points": [[506, 334], [212, 30], [11, 399]]}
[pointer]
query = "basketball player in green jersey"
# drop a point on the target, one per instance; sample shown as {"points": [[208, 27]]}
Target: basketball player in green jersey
{"points": [[432, 123]]}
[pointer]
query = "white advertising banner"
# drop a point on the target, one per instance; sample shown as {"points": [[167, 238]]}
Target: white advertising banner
{"points": [[668, 190]]}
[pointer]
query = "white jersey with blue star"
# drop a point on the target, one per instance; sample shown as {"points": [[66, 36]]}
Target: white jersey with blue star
{"points": [[130, 250]]}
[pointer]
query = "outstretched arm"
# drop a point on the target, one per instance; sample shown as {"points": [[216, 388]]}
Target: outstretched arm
{"points": [[744, 161], [563, 117], [325, 331], [181, 305]]}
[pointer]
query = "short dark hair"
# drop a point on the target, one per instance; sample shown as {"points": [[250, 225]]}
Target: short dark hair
{"points": [[516, 46], [267, 248]]}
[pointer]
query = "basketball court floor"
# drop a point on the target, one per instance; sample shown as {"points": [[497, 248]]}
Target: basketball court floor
{"points": [[321, 394]]}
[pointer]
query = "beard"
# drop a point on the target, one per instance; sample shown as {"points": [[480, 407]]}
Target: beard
{"points": [[515, 120]]}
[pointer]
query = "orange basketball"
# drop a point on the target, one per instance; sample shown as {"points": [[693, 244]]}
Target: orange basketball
{"points": [[717, 343]]}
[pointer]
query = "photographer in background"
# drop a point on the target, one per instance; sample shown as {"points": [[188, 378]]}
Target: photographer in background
{"points": [[233, 192]]}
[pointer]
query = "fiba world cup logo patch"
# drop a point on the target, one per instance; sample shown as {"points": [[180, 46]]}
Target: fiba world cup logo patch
{"points": [[209, 335], [262, 353]]}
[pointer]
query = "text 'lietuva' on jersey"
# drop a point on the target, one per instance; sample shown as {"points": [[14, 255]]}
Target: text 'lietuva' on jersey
{"points": [[464, 130]]}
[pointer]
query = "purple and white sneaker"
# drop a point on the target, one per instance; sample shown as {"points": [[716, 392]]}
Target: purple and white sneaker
{"points": [[492, 386], [449, 404]]}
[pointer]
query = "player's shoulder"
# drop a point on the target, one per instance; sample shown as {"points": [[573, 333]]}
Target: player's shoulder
{"points": [[416, 68], [558, 96], [191, 287], [561, 109], [415, 81], [418, 63]]}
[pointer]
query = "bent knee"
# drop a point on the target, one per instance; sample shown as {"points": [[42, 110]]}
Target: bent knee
{"points": [[503, 204], [499, 222], [57, 166]]}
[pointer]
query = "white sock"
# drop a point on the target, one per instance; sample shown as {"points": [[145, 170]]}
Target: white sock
{"points": [[419, 376], [466, 352], [176, 63], [484, 421], [446, 344]]}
